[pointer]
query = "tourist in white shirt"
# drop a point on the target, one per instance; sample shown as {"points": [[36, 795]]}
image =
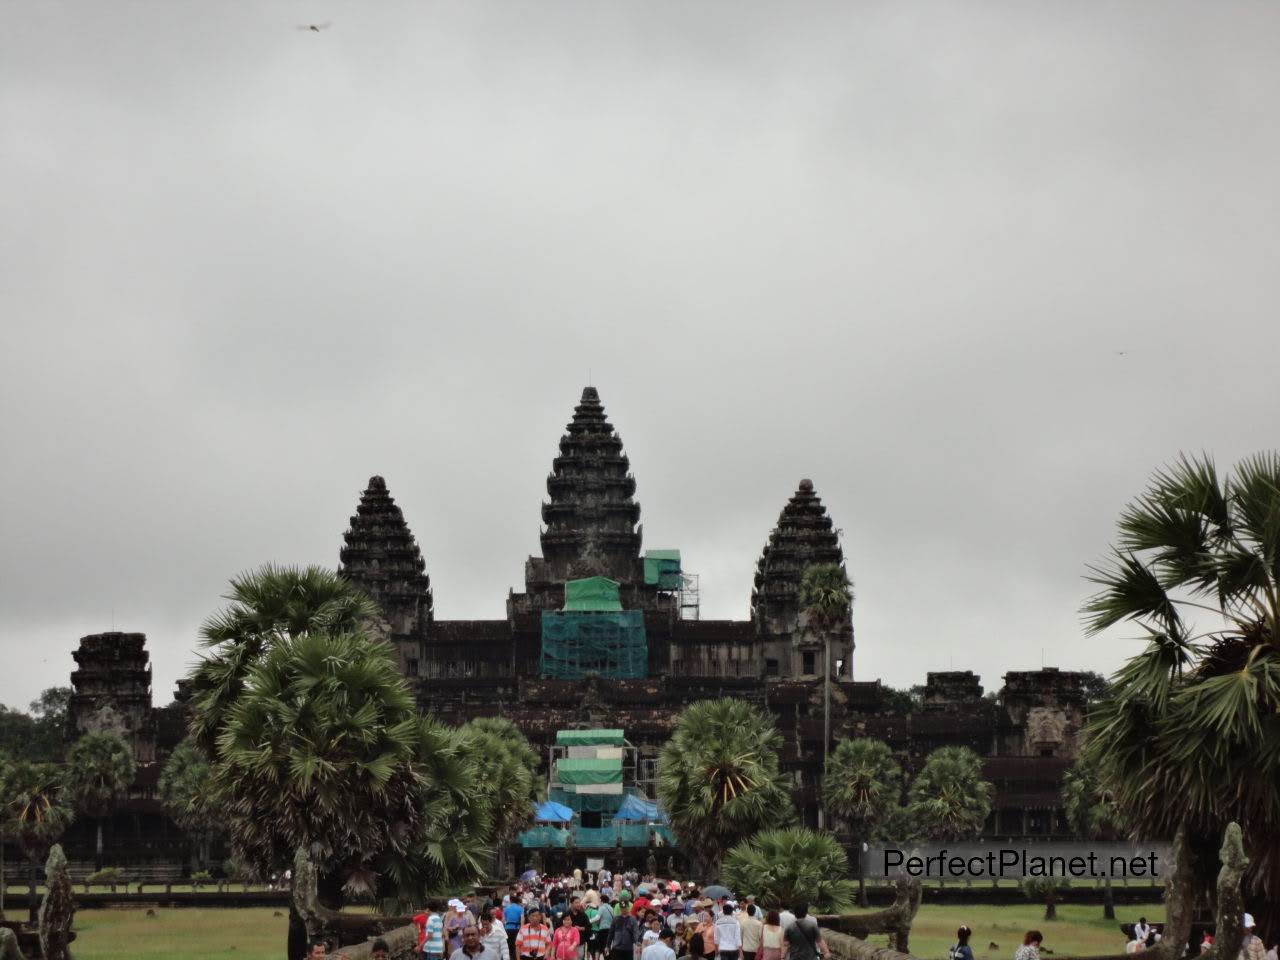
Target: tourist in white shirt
{"points": [[728, 933], [661, 950]]}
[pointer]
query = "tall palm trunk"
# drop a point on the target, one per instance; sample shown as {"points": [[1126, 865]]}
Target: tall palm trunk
{"points": [[97, 860], [1108, 900]]}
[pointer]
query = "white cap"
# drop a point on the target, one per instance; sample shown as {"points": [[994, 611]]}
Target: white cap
{"points": [[1248, 920]]}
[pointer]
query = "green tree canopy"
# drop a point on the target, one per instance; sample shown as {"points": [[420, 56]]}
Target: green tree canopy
{"points": [[826, 595], [718, 778], [35, 811], [1089, 807], [1191, 726], [318, 752], [267, 606], [454, 844], [782, 867], [507, 770], [186, 792], [100, 768], [862, 785], [39, 736], [948, 799]]}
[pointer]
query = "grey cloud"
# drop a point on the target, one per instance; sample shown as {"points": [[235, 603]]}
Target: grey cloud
{"points": [[890, 247]]}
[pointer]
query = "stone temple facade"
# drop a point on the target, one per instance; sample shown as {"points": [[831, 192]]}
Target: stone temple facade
{"points": [[469, 668], [1026, 733]]}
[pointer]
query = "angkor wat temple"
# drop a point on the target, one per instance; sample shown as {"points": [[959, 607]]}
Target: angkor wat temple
{"points": [[469, 668]]}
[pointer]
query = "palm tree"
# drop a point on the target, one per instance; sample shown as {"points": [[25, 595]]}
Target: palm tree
{"points": [[826, 596], [319, 752], [948, 799], [718, 779], [455, 840], [1189, 731], [268, 605], [35, 814], [1046, 890], [1091, 811], [507, 769], [185, 790], [862, 786], [100, 769], [782, 867]]}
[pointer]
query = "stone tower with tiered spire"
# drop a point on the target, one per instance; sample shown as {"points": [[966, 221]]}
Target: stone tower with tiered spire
{"points": [[380, 554], [804, 536], [591, 517]]}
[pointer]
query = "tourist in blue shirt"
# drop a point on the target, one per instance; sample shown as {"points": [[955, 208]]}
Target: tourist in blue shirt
{"points": [[512, 920]]}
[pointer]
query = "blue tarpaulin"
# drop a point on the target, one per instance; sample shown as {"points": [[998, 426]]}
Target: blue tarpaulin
{"points": [[637, 809], [552, 812]]}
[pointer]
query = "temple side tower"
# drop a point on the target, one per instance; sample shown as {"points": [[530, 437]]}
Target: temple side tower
{"points": [[380, 555], [111, 691], [804, 536]]}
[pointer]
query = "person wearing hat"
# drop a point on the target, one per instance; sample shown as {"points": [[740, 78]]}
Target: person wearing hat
{"points": [[457, 920], [642, 902], [1251, 946], [625, 933]]}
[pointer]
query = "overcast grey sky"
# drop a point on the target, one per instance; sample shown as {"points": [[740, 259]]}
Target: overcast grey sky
{"points": [[977, 269]]}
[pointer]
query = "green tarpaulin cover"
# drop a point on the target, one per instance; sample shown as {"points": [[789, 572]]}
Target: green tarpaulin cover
{"points": [[592, 594], [589, 771], [590, 738], [662, 569]]}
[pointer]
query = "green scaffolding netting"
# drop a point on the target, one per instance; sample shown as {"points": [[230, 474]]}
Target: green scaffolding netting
{"points": [[598, 838], [592, 594], [662, 569], [604, 644], [588, 771], [543, 837], [590, 738], [603, 803]]}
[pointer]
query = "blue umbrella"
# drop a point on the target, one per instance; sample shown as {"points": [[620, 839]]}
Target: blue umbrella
{"points": [[715, 892], [528, 875]]}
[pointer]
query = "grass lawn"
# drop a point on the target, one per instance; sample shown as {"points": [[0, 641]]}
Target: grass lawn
{"points": [[253, 933], [190, 933], [1078, 931]]}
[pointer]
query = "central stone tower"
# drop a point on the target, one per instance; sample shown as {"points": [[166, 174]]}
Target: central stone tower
{"points": [[591, 519]]}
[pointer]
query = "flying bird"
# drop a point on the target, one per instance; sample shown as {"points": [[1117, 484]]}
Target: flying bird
{"points": [[315, 27]]}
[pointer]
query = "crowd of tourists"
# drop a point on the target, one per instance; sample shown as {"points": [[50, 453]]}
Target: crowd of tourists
{"points": [[607, 916], [624, 916]]}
